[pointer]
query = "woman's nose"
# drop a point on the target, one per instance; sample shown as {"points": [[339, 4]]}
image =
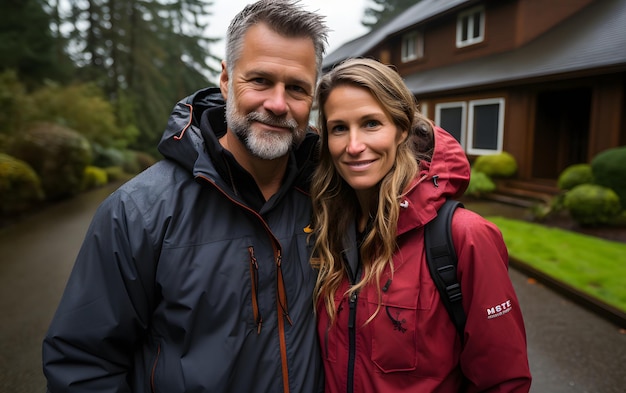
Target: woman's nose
{"points": [[355, 143]]}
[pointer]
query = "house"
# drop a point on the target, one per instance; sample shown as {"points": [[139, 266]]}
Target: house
{"points": [[544, 80]]}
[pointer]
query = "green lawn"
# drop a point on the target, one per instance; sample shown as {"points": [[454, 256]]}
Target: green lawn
{"points": [[594, 266]]}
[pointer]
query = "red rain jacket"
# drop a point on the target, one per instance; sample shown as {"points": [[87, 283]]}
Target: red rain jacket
{"points": [[411, 345]]}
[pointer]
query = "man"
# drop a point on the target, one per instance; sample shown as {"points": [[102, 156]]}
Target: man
{"points": [[194, 276]]}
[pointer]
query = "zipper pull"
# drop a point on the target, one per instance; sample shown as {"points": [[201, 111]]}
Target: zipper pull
{"points": [[352, 316]]}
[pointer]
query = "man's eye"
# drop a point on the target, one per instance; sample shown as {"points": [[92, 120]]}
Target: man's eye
{"points": [[259, 81], [297, 89]]}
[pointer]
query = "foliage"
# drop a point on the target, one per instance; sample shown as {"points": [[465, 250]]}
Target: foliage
{"points": [[575, 175], [83, 108], [28, 45], [609, 170], [591, 204], [479, 185], [382, 11], [143, 160], [145, 55], [591, 265], [94, 177], [20, 187], [115, 173], [500, 165], [57, 154], [13, 99]]}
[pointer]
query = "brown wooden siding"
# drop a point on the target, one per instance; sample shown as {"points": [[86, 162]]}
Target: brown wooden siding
{"points": [[535, 17]]}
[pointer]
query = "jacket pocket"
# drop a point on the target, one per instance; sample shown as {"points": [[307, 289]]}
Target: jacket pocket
{"points": [[393, 332]]}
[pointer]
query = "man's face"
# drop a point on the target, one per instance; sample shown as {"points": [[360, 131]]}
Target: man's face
{"points": [[270, 92]]}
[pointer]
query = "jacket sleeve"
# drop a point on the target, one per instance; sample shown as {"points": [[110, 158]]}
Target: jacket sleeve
{"points": [[104, 312], [494, 357]]}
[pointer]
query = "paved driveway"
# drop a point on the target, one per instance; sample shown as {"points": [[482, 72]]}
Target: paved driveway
{"points": [[570, 349]]}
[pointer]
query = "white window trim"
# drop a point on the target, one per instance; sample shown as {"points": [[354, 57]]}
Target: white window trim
{"points": [[417, 40], [470, 27], [470, 122], [457, 104]]}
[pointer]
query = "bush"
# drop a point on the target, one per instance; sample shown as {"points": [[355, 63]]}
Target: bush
{"points": [[57, 154], [479, 185], [85, 109], [144, 160], [609, 170], [115, 173], [94, 177], [500, 165], [20, 187], [590, 204], [575, 175], [106, 157]]}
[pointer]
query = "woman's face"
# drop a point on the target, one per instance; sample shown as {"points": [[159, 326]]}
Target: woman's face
{"points": [[362, 138]]}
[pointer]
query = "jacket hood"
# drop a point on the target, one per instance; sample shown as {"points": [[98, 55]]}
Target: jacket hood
{"points": [[446, 176], [182, 141]]}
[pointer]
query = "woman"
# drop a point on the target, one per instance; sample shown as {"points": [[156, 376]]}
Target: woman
{"points": [[382, 325]]}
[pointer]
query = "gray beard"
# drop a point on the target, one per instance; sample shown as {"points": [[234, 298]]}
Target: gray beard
{"points": [[263, 144]]}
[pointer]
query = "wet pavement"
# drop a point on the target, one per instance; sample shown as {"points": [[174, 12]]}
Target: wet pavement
{"points": [[570, 349]]}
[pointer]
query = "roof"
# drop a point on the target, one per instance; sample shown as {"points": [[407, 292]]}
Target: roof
{"points": [[415, 14], [594, 38]]}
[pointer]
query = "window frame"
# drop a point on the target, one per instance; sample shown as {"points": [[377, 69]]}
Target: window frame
{"points": [[470, 126], [455, 104], [460, 28], [415, 41]]}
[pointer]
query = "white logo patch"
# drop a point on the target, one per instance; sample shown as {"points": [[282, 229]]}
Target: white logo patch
{"points": [[499, 310]]}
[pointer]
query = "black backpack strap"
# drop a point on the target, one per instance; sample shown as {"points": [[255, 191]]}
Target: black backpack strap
{"points": [[442, 261]]}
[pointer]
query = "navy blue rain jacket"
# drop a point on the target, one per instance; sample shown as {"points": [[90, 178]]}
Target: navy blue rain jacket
{"points": [[180, 286]]}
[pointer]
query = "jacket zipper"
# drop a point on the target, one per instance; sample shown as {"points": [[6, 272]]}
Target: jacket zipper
{"points": [[281, 293], [352, 302], [352, 341]]}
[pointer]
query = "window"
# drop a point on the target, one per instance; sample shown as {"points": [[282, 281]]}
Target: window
{"points": [[470, 27], [451, 117], [412, 46], [485, 126], [478, 125]]}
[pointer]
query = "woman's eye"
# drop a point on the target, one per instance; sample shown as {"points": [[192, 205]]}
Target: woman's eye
{"points": [[372, 123], [336, 129]]}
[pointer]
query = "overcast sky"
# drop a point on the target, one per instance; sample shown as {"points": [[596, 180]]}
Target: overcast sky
{"points": [[343, 17]]}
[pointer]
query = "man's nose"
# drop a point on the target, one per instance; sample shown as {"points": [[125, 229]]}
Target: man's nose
{"points": [[276, 101]]}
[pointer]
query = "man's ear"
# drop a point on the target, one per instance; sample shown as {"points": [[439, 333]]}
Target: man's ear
{"points": [[224, 80]]}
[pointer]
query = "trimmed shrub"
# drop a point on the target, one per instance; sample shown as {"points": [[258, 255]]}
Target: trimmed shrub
{"points": [[115, 173], [575, 175], [144, 160], [106, 157], [20, 187], [609, 170], [479, 185], [590, 204], [500, 165], [94, 177], [58, 155]]}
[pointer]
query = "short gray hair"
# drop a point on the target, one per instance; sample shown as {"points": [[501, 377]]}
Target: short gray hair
{"points": [[285, 17]]}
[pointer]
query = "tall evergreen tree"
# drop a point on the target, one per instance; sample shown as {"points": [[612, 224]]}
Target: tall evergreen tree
{"points": [[382, 11], [27, 44], [145, 54]]}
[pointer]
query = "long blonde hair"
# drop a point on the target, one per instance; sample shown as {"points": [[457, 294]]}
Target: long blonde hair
{"points": [[334, 202]]}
